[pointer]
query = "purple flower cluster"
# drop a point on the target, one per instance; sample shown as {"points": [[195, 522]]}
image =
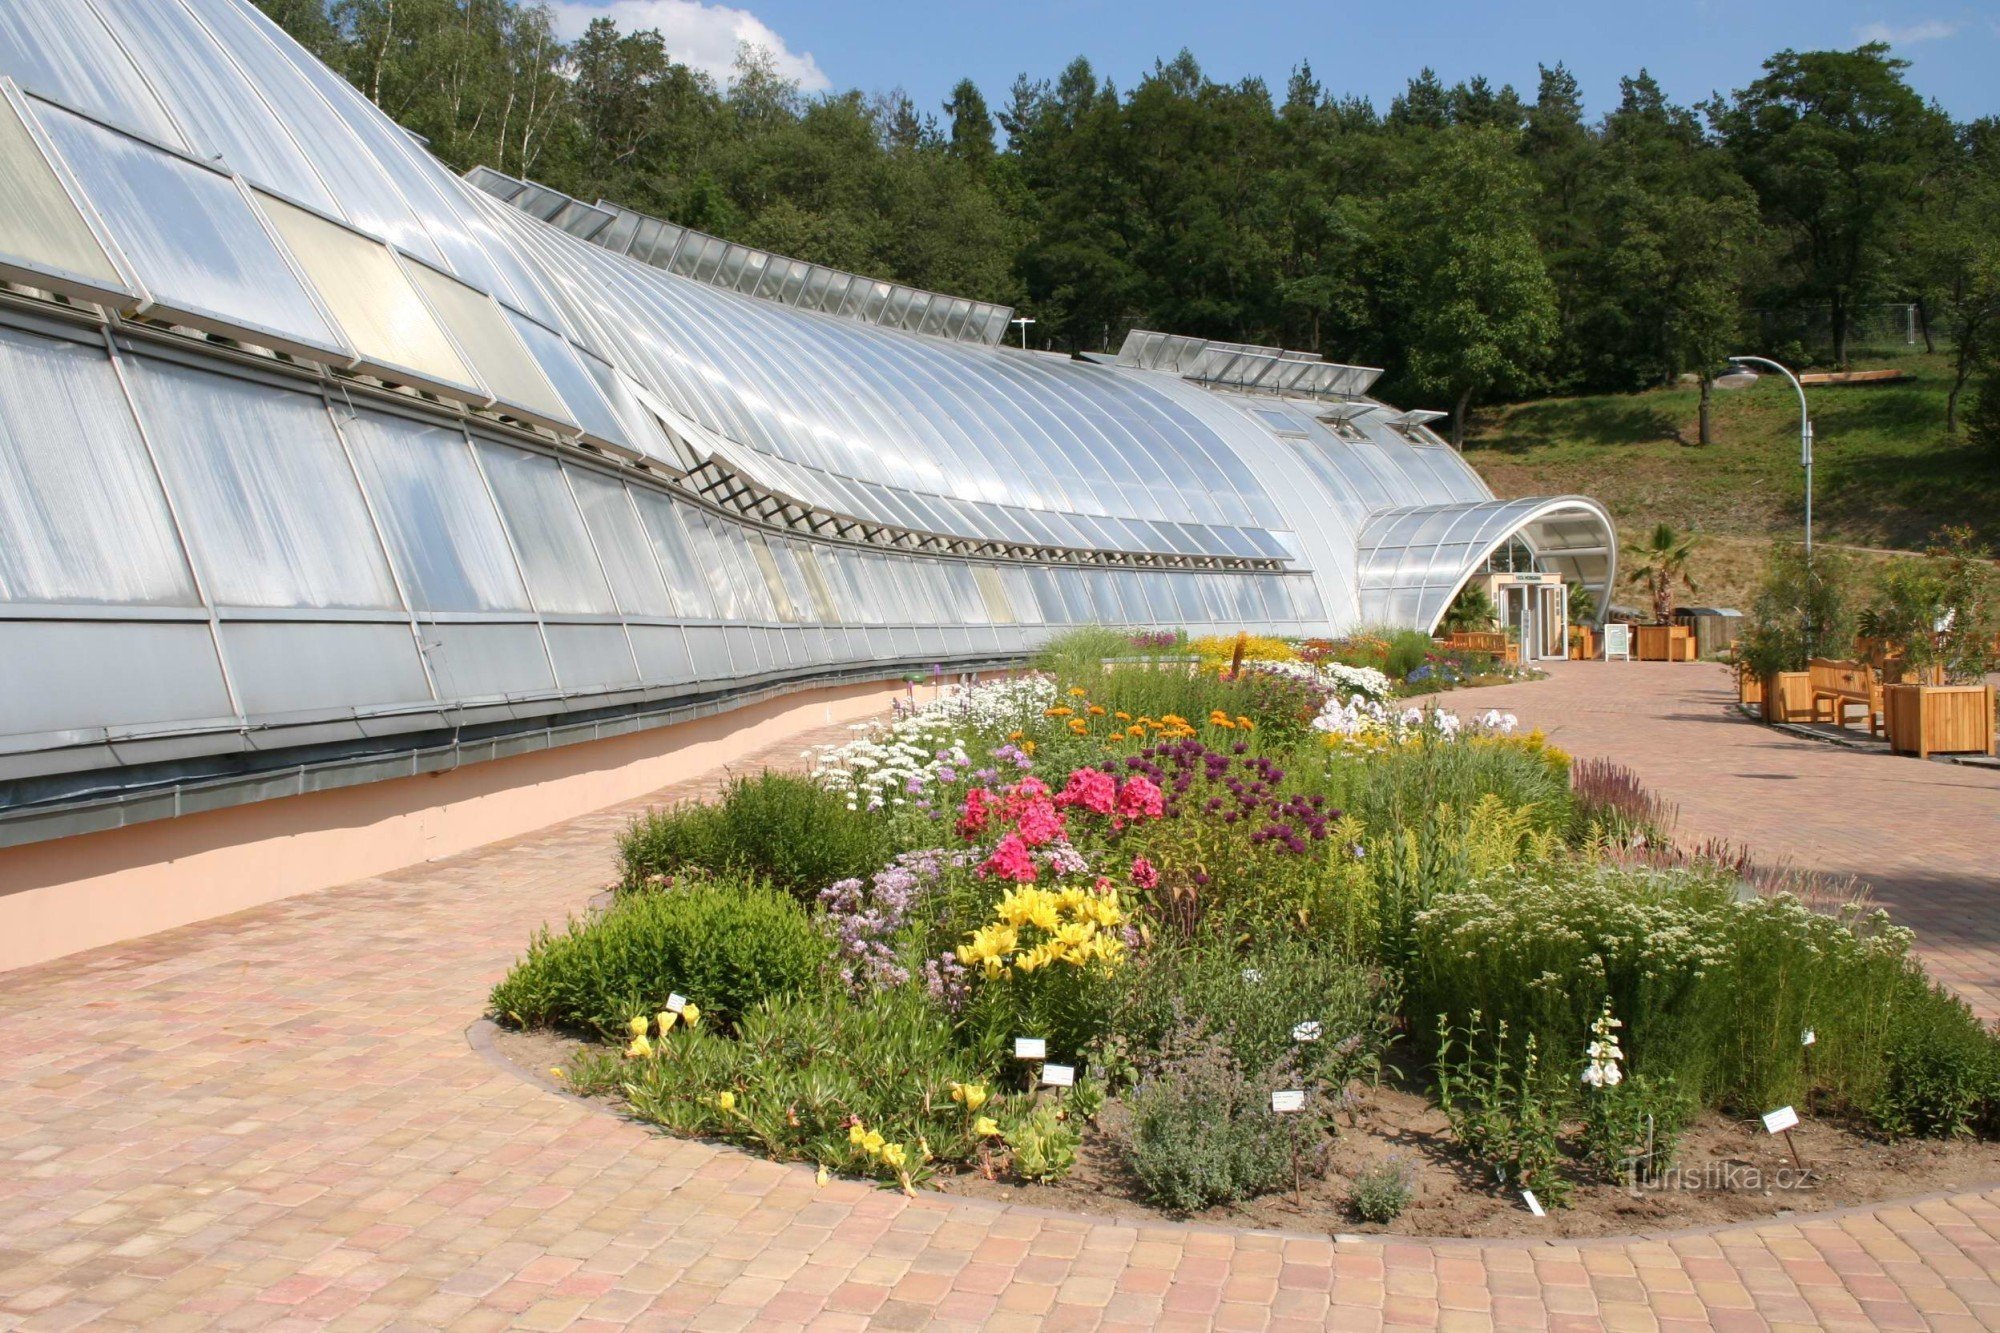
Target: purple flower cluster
{"points": [[1234, 788], [862, 921], [1154, 640], [947, 981], [1011, 753]]}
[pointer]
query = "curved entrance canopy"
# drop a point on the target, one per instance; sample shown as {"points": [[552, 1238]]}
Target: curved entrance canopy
{"points": [[1415, 559]]}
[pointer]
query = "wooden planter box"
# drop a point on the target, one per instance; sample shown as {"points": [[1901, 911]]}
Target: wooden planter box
{"points": [[1582, 642], [1663, 643], [1787, 696], [1749, 688], [1939, 719]]}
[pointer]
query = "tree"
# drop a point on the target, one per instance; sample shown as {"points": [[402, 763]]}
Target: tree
{"points": [[1954, 256], [1661, 564], [1478, 307], [971, 125], [1674, 233], [1834, 142]]}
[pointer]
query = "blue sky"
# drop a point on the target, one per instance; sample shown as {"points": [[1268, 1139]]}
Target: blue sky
{"points": [[1692, 47]]}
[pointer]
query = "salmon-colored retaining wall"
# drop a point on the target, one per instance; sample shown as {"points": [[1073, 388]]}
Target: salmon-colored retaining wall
{"points": [[68, 894]]}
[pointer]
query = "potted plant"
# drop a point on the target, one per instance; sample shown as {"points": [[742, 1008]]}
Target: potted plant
{"points": [[1660, 565], [1802, 607], [1938, 615], [1582, 622]]}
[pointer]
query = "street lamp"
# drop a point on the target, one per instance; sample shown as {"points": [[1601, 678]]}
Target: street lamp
{"points": [[1740, 375], [1024, 321]]}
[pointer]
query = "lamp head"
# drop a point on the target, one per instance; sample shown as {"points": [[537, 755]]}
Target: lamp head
{"points": [[1738, 376]]}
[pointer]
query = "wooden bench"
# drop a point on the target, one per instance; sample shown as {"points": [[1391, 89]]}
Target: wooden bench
{"points": [[1846, 685], [1492, 642]]}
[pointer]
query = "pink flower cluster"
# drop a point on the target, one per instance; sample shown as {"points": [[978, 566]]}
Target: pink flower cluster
{"points": [[1034, 817]]}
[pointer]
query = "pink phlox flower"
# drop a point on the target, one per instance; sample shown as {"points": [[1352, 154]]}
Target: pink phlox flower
{"points": [[1139, 798], [1010, 860], [1144, 873], [1039, 823], [1092, 788]]}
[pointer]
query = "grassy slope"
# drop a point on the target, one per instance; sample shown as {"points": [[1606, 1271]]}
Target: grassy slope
{"points": [[1885, 473]]}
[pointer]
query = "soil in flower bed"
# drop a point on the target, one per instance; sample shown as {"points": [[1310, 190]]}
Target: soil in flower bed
{"points": [[1728, 1171]]}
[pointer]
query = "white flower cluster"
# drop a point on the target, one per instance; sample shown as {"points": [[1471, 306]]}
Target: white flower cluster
{"points": [[1372, 722], [1345, 681], [1603, 1054], [890, 764]]}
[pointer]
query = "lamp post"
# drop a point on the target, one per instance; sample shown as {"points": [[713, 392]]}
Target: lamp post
{"points": [[1740, 375], [1024, 321]]}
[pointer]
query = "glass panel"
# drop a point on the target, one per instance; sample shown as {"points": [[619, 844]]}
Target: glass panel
{"points": [[442, 530], [195, 241], [559, 361], [208, 95], [269, 503], [39, 223], [364, 286], [63, 50], [705, 536], [548, 532], [621, 544], [81, 510], [484, 335], [767, 566], [677, 559]]}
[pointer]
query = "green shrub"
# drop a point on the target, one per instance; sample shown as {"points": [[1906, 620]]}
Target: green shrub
{"points": [[1404, 787], [1078, 654], [1382, 1190], [803, 1070], [788, 830], [1506, 1104], [726, 943], [1201, 1133], [1044, 1143], [1407, 650], [1715, 993], [1943, 1075], [1285, 998]]}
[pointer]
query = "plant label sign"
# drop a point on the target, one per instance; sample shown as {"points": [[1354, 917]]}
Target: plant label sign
{"points": [[1307, 1031], [1292, 1099], [1780, 1120], [675, 1002], [1808, 1038], [1534, 1204], [1031, 1048], [1058, 1076]]}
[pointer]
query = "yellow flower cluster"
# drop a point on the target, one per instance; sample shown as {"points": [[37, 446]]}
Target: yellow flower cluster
{"points": [[666, 1018], [1035, 928], [870, 1141], [1219, 649]]}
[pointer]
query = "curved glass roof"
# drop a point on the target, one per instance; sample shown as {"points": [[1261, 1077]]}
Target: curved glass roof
{"points": [[1415, 559], [347, 450]]}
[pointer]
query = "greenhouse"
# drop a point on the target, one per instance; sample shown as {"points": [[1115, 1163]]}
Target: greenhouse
{"points": [[315, 456]]}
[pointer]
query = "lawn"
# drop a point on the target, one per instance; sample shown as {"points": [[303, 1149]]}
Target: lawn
{"points": [[1886, 474]]}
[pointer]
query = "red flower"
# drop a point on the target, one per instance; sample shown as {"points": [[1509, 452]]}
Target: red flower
{"points": [[1144, 874], [1140, 799], [973, 815], [1039, 823], [1010, 860], [1092, 788]]}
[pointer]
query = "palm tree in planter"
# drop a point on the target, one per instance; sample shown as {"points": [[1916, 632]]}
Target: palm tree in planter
{"points": [[1940, 612], [1471, 610], [1660, 564]]}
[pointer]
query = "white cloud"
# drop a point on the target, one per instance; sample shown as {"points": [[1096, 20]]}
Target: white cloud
{"points": [[702, 36], [1924, 30]]}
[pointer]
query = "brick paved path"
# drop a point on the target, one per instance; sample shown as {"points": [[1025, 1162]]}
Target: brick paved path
{"points": [[274, 1119]]}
